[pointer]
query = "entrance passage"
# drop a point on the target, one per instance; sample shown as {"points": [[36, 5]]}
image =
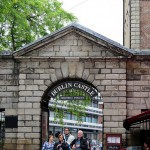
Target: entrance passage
{"points": [[80, 106], [2, 128]]}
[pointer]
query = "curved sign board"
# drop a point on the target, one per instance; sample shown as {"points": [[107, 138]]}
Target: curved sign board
{"points": [[72, 85]]}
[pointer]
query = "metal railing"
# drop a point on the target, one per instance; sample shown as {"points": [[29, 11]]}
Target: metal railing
{"points": [[2, 128]]}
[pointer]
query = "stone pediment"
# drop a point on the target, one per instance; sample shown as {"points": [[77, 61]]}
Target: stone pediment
{"points": [[74, 41]]}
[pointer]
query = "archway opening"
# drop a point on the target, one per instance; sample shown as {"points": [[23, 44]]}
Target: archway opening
{"points": [[76, 104]]}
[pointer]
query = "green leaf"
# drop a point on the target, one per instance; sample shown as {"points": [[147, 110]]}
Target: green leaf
{"points": [[23, 21]]}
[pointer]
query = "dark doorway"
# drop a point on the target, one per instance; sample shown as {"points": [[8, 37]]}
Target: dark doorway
{"points": [[145, 136]]}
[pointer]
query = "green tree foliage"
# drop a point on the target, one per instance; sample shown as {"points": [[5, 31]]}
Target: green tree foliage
{"points": [[75, 107], [23, 21]]}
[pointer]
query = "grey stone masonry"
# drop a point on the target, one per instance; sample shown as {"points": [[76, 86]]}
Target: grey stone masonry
{"points": [[135, 24], [120, 75]]}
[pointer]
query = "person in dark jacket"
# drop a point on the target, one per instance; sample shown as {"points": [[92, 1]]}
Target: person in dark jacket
{"points": [[61, 144], [79, 143]]}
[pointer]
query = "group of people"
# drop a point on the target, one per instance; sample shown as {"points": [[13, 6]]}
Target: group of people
{"points": [[66, 141]]}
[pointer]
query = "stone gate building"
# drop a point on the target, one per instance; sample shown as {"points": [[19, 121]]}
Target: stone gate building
{"points": [[121, 75]]}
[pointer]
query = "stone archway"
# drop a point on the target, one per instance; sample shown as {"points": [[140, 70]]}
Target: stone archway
{"points": [[82, 88]]}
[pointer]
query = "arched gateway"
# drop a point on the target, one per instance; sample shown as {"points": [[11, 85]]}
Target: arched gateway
{"points": [[71, 64], [72, 93]]}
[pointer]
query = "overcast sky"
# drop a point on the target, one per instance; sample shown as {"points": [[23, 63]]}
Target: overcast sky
{"points": [[102, 16]]}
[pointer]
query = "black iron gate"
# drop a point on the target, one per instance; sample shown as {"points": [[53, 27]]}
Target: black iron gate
{"points": [[2, 128]]}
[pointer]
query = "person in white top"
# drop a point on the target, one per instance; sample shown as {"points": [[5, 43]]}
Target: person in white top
{"points": [[68, 137]]}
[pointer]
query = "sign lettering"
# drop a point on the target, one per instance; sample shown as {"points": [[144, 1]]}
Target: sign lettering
{"points": [[70, 85]]}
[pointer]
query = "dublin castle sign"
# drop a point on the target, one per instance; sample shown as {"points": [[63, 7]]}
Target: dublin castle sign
{"points": [[72, 85]]}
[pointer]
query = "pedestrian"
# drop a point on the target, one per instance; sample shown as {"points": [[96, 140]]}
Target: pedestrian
{"points": [[80, 143], [101, 145], [49, 145], [146, 146], [61, 144], [68, 137]]}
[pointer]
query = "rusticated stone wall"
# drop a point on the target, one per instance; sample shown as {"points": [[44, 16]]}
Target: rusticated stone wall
{"points": [[122, 82]]}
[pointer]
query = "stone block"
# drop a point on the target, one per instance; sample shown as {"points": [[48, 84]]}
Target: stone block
{"points": [[32, 111], [76, 49], [118, 130], [53, 78], [22, 76], [96, 83], [36, 129], [87, 48], [100, 76], [113, 65], [2, 88], [36, 141], [81, 54], [6, 71], [122, 112], [24, 117], [72, 68], [122, 99], [29, 82], [62, 54], [89, 64], [10, 112], [118, 118], [112, 88], [112, 76], [24, 105], [65, 48], [100, 88], [49, 71], [122, 88], [108, 106], [11, 146], [110, 99], [58, 73], [106, 130], [47, 53], [140, 94], [94, 54], [86, 73], [105, 82], [118, 82], [36, 105], [119, 105], [65, 69], [100, 64], [94, 71], [43, 65], [21, 111], [37, 70], [110, 124], [90, 78], [79, 70], [22, 87], [44, 76], [25, 93], [111, 112], [106, 71], [32, 147], [10, 135], [24, 141], [107, 118], [32, 76], [36, 118], [56, 48], [24, 129], [39, 82], [31, 87], [32, 135]]}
